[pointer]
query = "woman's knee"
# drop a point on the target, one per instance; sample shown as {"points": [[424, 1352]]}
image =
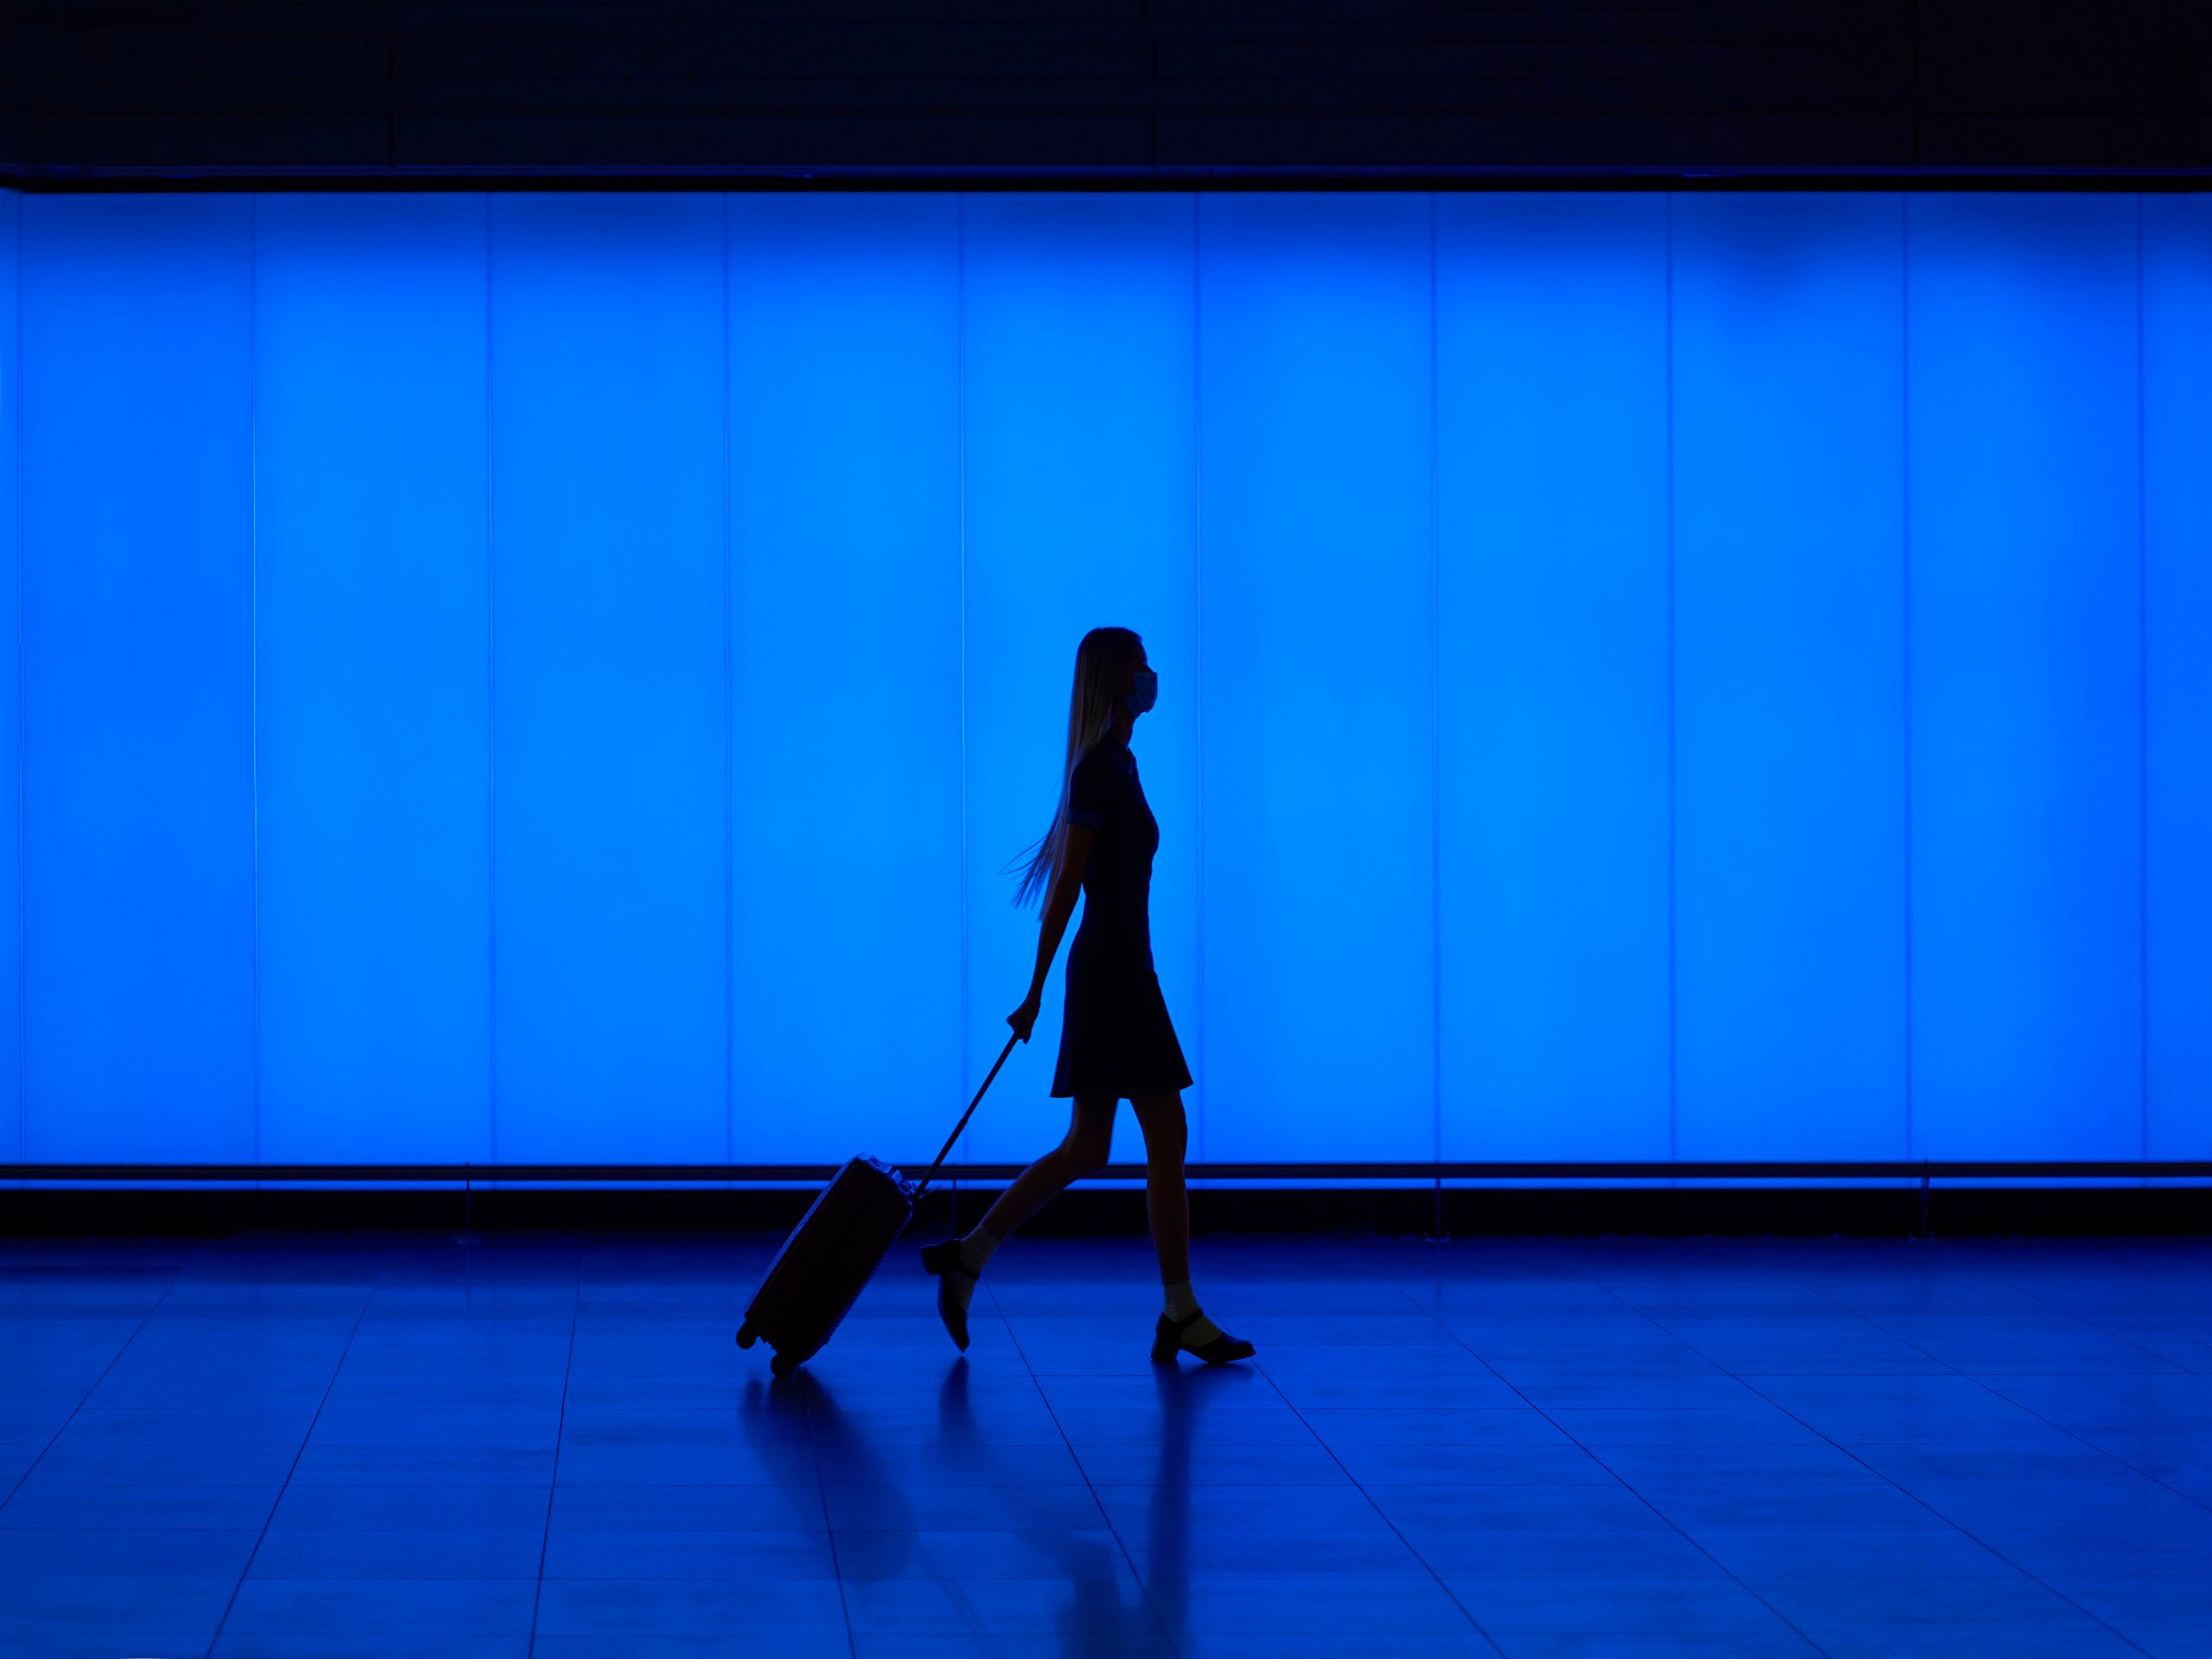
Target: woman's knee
{"points": [[1088, 1157]]}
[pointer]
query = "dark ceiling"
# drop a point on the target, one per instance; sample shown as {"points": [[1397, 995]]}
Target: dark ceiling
{"points": [[1104, 89]]}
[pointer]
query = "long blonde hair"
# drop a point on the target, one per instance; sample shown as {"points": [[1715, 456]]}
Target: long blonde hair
{"points": [[1100, 660]]}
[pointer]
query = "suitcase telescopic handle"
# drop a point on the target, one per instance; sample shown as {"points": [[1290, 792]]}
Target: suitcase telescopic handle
{"points": [[945, 1150]]}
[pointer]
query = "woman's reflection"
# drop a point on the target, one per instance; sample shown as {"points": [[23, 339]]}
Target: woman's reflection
{"points": [[1166, 1560], [1105, 1617], [1096, 1621], [1107, 1612]]}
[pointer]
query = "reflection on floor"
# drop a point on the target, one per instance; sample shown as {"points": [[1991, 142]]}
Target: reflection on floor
{"points": [[386, 1445]]}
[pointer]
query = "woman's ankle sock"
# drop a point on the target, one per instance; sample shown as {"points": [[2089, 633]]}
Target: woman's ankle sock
{"points": [[958, 1288], [1182, 1306], [975, 1249]]}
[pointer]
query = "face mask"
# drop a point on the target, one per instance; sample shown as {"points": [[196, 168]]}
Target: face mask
{"points": [[1141, 701]]}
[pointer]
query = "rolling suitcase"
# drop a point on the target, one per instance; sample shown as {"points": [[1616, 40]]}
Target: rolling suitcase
{"points": [[835, 1250]]}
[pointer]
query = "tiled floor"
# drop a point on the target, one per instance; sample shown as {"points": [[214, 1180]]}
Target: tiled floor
{"points": [[306, 1446]]}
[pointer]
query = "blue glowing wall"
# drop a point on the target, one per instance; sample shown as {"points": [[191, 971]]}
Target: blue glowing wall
{"points": [[561, 677]]}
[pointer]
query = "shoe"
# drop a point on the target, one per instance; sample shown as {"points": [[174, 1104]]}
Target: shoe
{"points": [[1167, 1341], [945, 1260]]}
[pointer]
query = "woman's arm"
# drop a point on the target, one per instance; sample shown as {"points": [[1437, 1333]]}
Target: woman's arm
{"points": [[1060, 905]]}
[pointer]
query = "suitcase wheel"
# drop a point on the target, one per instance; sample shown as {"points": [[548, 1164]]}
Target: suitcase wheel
{"points": [[746, 1336], [783, 1365]]}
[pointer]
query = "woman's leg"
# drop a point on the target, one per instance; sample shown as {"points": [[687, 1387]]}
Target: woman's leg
{"points": [[956, 1262], [1183, 1327], [1090, 1138], [1166, 1133]]}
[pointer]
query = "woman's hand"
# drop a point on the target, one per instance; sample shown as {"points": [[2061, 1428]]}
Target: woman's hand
{"points": [[1024, 1017]]}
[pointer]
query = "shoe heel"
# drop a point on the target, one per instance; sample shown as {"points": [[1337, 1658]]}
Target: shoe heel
{"points": [[943, 1258], [1163, 1344], [944, 1262]]}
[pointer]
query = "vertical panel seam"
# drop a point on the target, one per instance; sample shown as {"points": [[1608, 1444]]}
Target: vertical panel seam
{"points": [[22, 724], [491, 722], [960, 427], [253, 659], [1905, 643], [1673, 953], [2142, 701], [1199, 639], [1435, 725], [729, 724]]}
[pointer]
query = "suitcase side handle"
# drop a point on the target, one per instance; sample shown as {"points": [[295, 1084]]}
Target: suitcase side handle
{"points": [[945, 1150]]}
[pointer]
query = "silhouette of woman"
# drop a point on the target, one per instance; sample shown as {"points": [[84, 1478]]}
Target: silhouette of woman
{"points": [[1116, 1041]]}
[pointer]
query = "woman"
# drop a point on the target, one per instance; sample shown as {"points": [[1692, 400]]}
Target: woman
{"points": [[1116, 1041]]}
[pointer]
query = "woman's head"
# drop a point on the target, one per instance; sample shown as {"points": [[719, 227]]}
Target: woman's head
{"points": [[1107, 663]]}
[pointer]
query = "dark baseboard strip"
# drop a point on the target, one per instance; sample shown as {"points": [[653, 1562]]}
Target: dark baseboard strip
{"points": [[2032, 1171], [1562, 1211], [74, 179]]}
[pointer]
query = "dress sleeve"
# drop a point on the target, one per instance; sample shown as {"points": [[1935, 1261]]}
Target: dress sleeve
{"points": [[1087, 793]]}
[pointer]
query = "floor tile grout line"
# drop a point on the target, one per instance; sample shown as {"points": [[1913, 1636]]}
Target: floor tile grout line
{"points": [[1360, 1487], [560, 1434], [1626, 1484], [2140, 1347], [270, 1520], [829, 1531], [1960, 1528], [1385, 1279], [794, 1383], [1964, 1531], [93, 1388], [1715, 1322], [122, 1348], [1982, 1383], [1121, 1543]]}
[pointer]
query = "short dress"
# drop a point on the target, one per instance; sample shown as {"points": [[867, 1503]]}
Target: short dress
{"points": [[1116, 1038]]}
